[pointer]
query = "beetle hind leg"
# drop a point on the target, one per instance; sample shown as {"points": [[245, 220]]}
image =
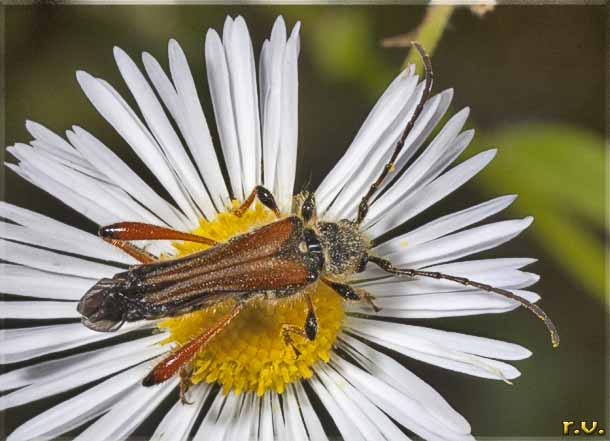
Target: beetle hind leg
{"points": [[309, 330], [171, 364]]}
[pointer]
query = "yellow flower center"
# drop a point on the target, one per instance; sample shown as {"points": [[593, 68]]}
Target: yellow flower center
{"points": [[250, 353]]}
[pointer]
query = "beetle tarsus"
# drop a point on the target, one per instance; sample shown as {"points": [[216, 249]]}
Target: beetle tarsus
{"points": [[186, 383], [288, 329], [264, 196]]}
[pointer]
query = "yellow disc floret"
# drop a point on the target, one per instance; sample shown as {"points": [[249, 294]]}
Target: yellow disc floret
{"points": [[250, 353]]}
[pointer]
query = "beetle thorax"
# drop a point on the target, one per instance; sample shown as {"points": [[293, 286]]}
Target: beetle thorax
{"points": [[345, 248]]}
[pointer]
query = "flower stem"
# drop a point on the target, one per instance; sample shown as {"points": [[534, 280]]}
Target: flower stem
{"points": [[429, 32]]}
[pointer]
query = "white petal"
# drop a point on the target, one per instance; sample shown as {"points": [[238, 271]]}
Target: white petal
{"points": [[266, 420], [71, 157], [114, 109], [397, 405], [174, 186], [434, 110], [289, 126], [469, 344], [123, 176], [84, 407], [25, 281], [243, 421], [220, 92], [312, 421], [428, 351], [279, 428], [263, 76], [65, 381], [254, 432], [464, 243], [428, 195], [102, 193], [346, 427], [85, 206], [40, 132], [439, 154], [360, 182], [379, 119], [40, 373], [444, 225], [294, 424], [451, 304], [376, 417], [368, 170], [484, 265], [197, 133], [74, 161], [128, 413], [240, 61], [72, 239], [271, 64], [96, 247], [26, 343], [210, 424], [339, 389], [393, 373], [219, 416], [178, 422], [397, 286], [82, 205], [38, 310], [161, 128], [434, 313], [54, 262]]}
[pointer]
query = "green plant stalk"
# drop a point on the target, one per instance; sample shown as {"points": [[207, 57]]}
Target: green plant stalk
{"points": [[429, 32]]}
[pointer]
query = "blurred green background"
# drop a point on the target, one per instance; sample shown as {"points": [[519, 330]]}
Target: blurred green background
{"points": [[534, 77]]}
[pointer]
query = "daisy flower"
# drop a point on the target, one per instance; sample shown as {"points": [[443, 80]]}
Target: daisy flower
{"points": [[247, 381]]}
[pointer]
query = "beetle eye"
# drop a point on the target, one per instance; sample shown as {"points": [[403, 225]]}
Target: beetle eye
{"points": [[362, 264]]}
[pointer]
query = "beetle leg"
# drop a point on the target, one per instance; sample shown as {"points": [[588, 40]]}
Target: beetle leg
{"points": [[308, 331], [123, 231], [349, 293], [137, 253], [185, 383], [288, 329], [311, 321], [167, 367], [263, 195], [308, 208]]}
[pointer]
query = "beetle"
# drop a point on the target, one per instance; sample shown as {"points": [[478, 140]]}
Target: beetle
{"points": [[278, 260]]}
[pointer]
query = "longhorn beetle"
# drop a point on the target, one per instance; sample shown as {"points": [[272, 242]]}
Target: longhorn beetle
{"points": [[275, 261]]}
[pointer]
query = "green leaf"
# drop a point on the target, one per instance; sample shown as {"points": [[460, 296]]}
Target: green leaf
{"points": [[559, 173], [580, 252], [558, 165]]}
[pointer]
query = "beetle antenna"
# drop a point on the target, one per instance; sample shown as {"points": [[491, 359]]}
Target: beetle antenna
{"points": [[389, 268], [363, 208], [307, 184]]}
